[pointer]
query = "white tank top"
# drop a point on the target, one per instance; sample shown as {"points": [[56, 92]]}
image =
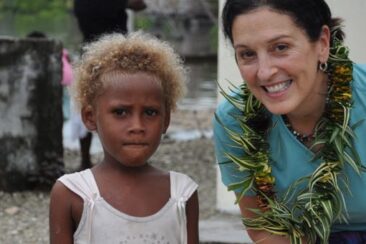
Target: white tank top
{"points": [[103, 224]]}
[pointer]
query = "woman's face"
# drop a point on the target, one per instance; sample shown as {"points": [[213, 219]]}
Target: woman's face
{"points": [[279, 63]]}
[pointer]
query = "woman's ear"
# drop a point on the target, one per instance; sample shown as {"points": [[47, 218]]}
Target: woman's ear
{"points": [[88, 117], [324, 44]]}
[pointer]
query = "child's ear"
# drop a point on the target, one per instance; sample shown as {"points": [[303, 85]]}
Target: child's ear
{"points": [[88, 117], [166, 121]]}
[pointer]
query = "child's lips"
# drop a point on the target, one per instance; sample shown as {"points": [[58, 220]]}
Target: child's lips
{"points": [[137, 144]]}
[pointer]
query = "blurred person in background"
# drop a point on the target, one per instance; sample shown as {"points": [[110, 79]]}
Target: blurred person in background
{"points": [[95, 18]]}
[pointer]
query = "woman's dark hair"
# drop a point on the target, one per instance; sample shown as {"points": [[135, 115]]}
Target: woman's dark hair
{"points": [[310, 15]]}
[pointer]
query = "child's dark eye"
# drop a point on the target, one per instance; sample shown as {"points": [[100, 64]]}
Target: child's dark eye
{"points": [[151, 112], [120, 111]]}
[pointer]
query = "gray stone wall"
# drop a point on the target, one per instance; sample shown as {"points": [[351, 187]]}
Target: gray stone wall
{"points": [[184, 7], [31, 120]]}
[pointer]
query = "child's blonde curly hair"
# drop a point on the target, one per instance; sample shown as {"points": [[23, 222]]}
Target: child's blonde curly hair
{"points": [[128, 54]]}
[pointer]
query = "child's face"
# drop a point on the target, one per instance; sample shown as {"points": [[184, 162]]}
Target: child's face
{"points": [[129, 116]]}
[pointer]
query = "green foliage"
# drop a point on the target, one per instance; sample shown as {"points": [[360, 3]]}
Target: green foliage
{"points": [[143, 22], [28, 15], [214, 39], [167, 28], [214, 6], [25, 15], [35, 7], [53, 17]]}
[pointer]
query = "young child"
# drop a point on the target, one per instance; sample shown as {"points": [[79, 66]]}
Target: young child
{"points": [[126, 88]]}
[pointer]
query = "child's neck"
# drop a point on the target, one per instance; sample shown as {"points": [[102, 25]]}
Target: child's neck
{"points": [[125, 170]]}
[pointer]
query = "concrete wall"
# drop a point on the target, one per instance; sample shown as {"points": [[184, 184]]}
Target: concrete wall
{"points": [[353, 12], [31, 113], [185, 7]]}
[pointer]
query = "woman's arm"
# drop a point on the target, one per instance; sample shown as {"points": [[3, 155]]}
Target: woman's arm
{"points": [[192, 211], [258, 236], [61, 222]]}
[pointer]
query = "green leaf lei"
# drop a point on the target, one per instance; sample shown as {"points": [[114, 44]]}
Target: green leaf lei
{"points": [[321, 202]]}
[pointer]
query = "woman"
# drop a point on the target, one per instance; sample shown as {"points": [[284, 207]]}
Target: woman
{"points": [[290, 142]]}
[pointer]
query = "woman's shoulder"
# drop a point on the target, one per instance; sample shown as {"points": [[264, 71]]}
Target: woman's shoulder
{"points": [[225, 105], [359, 76], [226, 112]]}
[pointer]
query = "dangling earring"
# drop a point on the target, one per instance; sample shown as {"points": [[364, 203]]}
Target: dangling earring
{"points": [[323, 66]]}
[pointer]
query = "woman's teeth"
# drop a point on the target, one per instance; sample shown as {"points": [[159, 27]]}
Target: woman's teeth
{"points": [[278, 87]]}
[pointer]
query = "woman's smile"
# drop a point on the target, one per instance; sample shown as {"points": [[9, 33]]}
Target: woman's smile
{"points": [[274, 89]]}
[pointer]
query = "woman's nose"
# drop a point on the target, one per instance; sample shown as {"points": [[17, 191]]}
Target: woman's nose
{"points": [[266, 69]]}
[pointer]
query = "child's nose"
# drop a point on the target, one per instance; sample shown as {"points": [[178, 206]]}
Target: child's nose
{"points": [[137, 124]]}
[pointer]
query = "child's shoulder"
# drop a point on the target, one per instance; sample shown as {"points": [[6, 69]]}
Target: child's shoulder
{"points": [[172, 175], [180, 176], [182, 185], [76, 177], [81, 183], [179, 182]]}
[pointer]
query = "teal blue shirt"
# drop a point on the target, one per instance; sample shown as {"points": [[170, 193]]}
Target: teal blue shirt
{"points": [[292, 160]]}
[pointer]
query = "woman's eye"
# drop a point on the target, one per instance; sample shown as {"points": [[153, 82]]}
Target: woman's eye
{"points": [[151, 112], [247, 54], [281, 47]]}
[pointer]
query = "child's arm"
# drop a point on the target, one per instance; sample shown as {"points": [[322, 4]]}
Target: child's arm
{"points": [[61, 222], [192, 211]]}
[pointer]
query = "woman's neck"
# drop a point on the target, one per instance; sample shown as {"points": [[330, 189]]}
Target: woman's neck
{"points": [[305, 119], [305, 125]]}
